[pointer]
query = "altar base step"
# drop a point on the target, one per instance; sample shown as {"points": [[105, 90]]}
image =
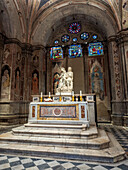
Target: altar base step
{"points": [[110, 155], [56, 131], [51, 141]]}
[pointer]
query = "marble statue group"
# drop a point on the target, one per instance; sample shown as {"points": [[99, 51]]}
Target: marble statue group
{"points": [[66, 81]]}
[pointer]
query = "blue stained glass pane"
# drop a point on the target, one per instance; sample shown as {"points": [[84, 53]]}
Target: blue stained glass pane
{"points": [[84, 36], [74, 28], [56, 53], [75, 51], [65, 38], [56, 41], [94, 37], [74, 39], [95, 49]]}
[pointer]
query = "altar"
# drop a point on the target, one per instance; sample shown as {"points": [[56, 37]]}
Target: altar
{"points": [[67, 112]]}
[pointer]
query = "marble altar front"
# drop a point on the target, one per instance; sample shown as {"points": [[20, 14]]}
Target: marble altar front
{"points": [[59, 111]]}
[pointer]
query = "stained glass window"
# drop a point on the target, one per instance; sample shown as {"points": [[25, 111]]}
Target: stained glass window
{"points": [[95, 49], [74, 39], [75, 51], [84, 36], [56, 42], [65, 38], [95, 37], [56, 53], [74, 28]]}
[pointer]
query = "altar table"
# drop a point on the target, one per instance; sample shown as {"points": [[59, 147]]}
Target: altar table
{"points": [[58, 111]]}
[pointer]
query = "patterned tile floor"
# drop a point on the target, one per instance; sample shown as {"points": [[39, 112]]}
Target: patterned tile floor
{"points": [[120, 133], [10, 162]]}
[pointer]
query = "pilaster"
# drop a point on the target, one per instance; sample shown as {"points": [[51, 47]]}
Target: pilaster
{"points": [[118, 79], [1, 56]]}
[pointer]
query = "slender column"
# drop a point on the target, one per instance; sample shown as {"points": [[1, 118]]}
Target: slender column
{"points": [[42, 71], [1, 57], [122, 41], [27, 53]]}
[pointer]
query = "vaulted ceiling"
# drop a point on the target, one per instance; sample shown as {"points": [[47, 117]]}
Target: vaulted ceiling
{"points": [[32, 21]]}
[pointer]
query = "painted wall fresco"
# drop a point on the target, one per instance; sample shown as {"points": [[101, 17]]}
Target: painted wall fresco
{"points": [[96, 76], [35, 82], [97, 81], [97, 85]]}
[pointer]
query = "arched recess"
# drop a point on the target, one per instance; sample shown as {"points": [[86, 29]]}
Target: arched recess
{"points": [[101, 16], [35, 82], [98, 18]]}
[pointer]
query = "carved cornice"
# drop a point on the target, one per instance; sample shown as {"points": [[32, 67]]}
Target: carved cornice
{"points": [[25, 46], [120, 37]]}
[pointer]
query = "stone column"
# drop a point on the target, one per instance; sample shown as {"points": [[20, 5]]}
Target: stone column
{"points": [[1, 56], [122, 40], [42, 70], [27, 54], [117, 87], [49, 71]]}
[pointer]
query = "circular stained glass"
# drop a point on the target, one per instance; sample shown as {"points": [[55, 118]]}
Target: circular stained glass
{"points": [[95, 37], [74, 28], [65, 38], [56, 41], [84, 36], [74, 39]]}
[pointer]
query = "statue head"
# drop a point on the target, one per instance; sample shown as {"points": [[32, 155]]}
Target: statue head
{"points": [[35, 75], [63, 69], [69, 69]]}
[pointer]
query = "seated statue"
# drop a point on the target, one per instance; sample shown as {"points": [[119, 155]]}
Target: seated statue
{"points": [[65, 82]]}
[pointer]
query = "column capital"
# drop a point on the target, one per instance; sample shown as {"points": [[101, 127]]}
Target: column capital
{"points": [[120, 37]]}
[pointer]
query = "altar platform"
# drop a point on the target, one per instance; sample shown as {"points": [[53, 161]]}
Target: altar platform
{"points": [[65, 130]]}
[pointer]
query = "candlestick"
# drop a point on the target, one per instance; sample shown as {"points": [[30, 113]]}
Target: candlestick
{"points": [[60, 98], [80, 95], [49, 94], [72, 93], [41, 99], [73, 96]]}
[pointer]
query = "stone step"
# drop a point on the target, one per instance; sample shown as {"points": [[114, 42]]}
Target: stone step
{"points": [[110, 155], [52, 131], [57, 122], [101, 142], [47, 125]]}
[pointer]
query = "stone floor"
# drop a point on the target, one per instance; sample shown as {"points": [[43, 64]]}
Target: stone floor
{"points": [[11, 162]]}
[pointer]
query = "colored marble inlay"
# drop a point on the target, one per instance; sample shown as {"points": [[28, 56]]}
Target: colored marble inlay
{"points": [[58, 112], [33, 111], [82, 111]]}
